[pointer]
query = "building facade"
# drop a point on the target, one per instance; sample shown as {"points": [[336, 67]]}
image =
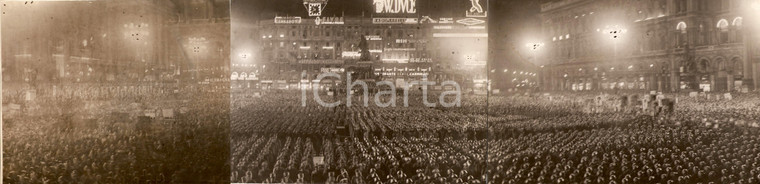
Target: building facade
{"points": [[294, 49], [117, 42], [652, 45]]}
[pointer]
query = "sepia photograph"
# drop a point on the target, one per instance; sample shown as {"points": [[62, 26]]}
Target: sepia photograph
{"points": [[113, 91], [380, 91], [348, 91]]}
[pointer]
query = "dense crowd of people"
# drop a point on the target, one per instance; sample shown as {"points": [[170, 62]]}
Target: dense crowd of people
{"points": [[530, 139], [47, 143]]}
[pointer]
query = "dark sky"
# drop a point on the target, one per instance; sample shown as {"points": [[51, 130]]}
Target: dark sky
{"points": [[267, 9], [511, 22]]}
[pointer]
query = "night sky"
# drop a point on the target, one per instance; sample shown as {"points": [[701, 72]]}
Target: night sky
{"points": [[511, 22], [267, 9]]}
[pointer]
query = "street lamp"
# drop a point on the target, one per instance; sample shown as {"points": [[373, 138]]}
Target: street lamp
{"points": [[614, 32], [534, 50]]}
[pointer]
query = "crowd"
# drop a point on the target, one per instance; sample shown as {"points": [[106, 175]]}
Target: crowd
{"points": [[193, 147], [531, 139]]}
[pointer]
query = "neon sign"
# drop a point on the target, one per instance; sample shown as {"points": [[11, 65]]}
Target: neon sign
{"points": [[421, 60], [447, 20], [373, 37], [476, 10], [394, 20], [427, 19], [329, 20], [349, 54], [315, 7], [395, 6], [470, 21], [287, 20]]}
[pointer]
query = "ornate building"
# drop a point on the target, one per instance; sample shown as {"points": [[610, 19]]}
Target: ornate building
{"points": [[403, 46], [115, 42], [662, 45]]}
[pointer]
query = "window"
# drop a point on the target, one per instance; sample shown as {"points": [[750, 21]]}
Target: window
{"points": [[681, 38], [680, 6], [723, 30]]}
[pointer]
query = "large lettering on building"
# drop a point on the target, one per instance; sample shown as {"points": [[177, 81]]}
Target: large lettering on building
{"points": [[395, 6]]}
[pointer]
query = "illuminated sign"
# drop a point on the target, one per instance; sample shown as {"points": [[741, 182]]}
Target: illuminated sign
{"points": [[470, 21], [447, 20], [287, 20], [395, 6], [331, 70], [410, 41], [329, 20], [315, 7], [375, 51], [476, 10], [320, 61], [394, 20], [395, 60], [349, 54], [421, 60], [373, 37], [400, 49], [427, 19], [442, 27]]}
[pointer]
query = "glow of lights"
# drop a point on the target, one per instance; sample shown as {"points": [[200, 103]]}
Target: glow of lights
{"points": [[395, 6], [505, 70], [263, 36], [282, 35], [460, 35], [305, 47], [493, 71], [441, 27], [327, 47], [651, 65], [630, 67], [534, 46], [476, 27], [350, 54], [270, 36], [595, 68], [613, 68], [373, 37], [542, 66], [287, 20], [375, 51], [514, 72], [566, 75], [580, 69]]}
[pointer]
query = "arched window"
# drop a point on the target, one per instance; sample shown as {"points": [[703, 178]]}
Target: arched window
{"points": [[681, 27], [723, 30], [234, 75], [681, 38], [737, 22], [738, 34], [738, 67], [704, 65]]}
